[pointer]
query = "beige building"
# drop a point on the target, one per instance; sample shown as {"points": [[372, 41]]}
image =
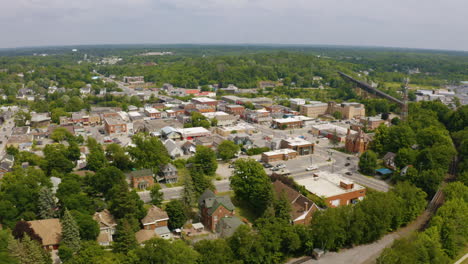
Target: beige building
{"points": [[314, 109], [347, 110]]}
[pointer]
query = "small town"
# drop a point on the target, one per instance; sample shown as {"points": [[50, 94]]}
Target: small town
{"points": [[229, 153]]}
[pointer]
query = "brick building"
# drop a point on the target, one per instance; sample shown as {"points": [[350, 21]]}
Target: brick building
{"points": [[277, 155], [205, 101], [213, 208], [114, 125], [334, 189], [152, 113], [301, 146], [141, 179], [358, 142], [235, 109], [287, 123]]}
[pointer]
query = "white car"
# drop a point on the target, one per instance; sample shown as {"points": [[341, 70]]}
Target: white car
{"points": [[280, 166], [311, 168]]}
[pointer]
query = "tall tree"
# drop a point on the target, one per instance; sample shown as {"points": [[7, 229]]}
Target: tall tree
{"points": [[157, 197], [28, 251], [70, 232], [47, 205], [227, 150], [176, 211], [124, 237], [204, 160], [368, 162], [251, 184]]}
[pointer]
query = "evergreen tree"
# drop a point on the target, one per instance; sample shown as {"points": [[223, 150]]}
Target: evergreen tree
{"points": [[188, 193], [157, 197], [28, 251], [47, 205], [124, 237], [70, 232]]}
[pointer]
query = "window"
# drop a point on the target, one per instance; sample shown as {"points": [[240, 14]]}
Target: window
{"points": [[335, 202]]}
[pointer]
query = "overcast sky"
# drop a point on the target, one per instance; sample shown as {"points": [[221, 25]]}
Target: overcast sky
{"points": [[435, 24]]}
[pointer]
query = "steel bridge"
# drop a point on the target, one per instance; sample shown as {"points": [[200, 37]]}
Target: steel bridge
{"points": [[371, 90]]}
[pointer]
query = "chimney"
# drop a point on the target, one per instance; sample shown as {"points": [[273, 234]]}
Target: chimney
{"points": [[306, 205]]}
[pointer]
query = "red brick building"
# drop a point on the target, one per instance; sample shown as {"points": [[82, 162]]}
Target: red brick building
{"points": [[205, 101], [235, 109], [287, 123], [277, 155], [114, 125], [302, 146], [141, 179], [358, 142], [213, 208]]}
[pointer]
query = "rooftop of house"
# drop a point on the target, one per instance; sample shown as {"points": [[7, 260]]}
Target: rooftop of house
{"points": [[50, 230], [154, 215], [105, 219], [300, 205], [140, 173], [325, 184], [228, 225], [209, 200], [162, 230]]}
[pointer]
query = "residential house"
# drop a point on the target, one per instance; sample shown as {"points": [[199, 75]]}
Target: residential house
{"points": [[173, 149], [241, 139], [163, 232], [302, 208], [389, 160], [107, 227], [170, 133], [156, 217], [50, 230], [213, 208], [40, 119], [204, 141], [189, 148], [141, 179], [169, 173]]}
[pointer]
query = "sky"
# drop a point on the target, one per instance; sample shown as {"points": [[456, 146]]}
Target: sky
{"points": [[428, 24]]}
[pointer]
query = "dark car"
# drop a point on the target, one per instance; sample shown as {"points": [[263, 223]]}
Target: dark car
{"points": [[347, 164], [348, 158], [348, 173], [267, 165], [275, 169]]}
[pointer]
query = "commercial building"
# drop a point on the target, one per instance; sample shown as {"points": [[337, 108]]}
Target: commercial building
{"points": [[194, 132], [205, 101], [114, 125], [334, 189], [371, 122], [277, 155], [286, 123], [329, 130], [314, 109], [302, 146], [260, 116], [296, 103], [222, 118], [237, 129], [152, 113], [234, 109], [347, 110]]}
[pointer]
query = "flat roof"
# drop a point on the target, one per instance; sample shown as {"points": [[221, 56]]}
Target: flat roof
{"points": [[134, 114], [204, 99], [279, 151], [286, 120], [214, 114], [193, 130], [237, 127], [151, 110], [297, 141], [327, 184]]}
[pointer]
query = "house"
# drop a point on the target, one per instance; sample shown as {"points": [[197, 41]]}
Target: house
{"points": [[213, 208], [172, 148], [389, 160], [277, 155], [204, 141], [228, 225], [302, 208], [107, 226], [50, 230], [40, 119], [163, 232], [241, 139], [170, 133], [189, 148], [358, 142], [141, 179], [144, 235], [156, 217], [169, 173], [335, 190]]}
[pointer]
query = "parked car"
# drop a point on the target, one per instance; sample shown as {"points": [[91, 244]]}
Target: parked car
{"points": [[311, 168], [349, 173], [347, 164], [274, 169], [348, 158], [231, 166], [280, 166], [267, 165]]}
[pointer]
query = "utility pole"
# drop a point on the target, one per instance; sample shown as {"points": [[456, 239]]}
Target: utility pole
{"points": [[404, 113]]}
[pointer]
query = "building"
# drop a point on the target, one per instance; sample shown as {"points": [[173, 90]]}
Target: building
{"points": [[302, 208], [389, 160], [133, 79], [330, 131], [301, 146], [156, 217], [169, 173], [347, 110], [260, 116], [286, 123], [173, 149], [169, 132], [277, 155], [205, 101], [234, 109], [50, 230], [358, 142], [314, 109], [228, 225], [107, 226], [222, 118], [152, 113], [334, 189], [213, 208], [237, 129], [296, 103], [189, 148], [194, 132], [40, 119], [275, 109], [141, 179], [371, 123], [115, 125]]}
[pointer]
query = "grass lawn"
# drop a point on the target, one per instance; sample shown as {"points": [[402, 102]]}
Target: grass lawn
{"points": [[243, 211]]}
